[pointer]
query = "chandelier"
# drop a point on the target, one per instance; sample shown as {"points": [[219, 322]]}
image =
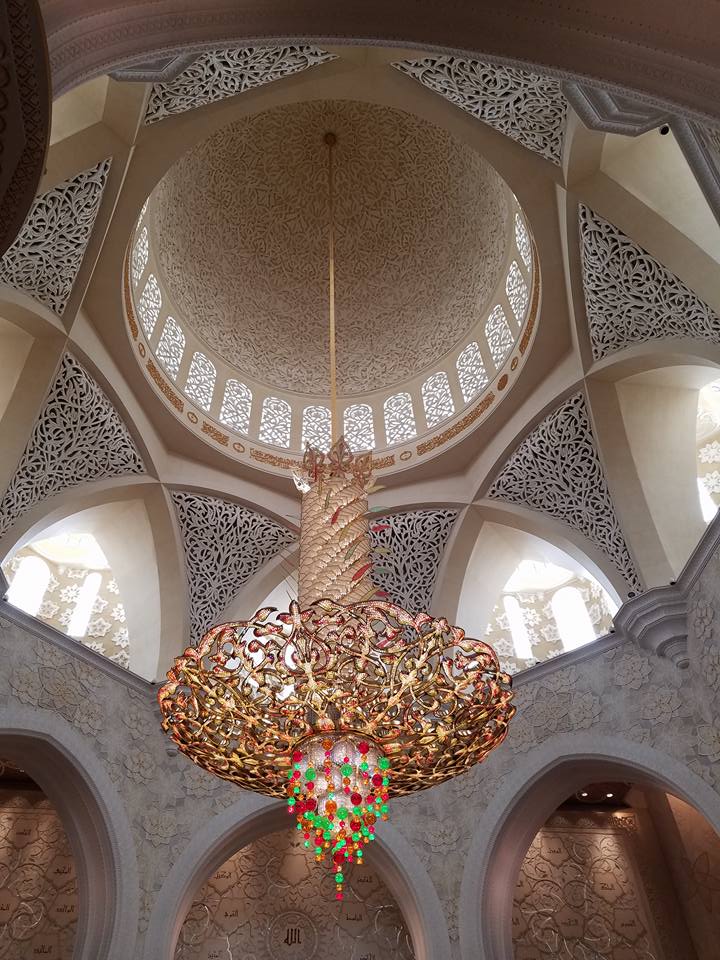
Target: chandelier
{"points": [[345, 700]]}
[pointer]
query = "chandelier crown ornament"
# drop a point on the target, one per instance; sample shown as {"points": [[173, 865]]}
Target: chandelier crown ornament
{"points": [[345, 700]]}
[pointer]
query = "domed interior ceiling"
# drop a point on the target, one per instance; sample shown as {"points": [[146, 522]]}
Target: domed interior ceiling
{"points": [[241, 239]]}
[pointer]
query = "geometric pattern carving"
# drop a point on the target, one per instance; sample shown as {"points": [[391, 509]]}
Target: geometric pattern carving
{"points": [[517, 291], [225, 544], [140, 254], [78, 437], [630, 297], [45, 258], [275, 422], [526, 107], [149, 305], [556, 470], [316, 428], [471, 371], [200, 383], [171, 347], [218, 74], [522, 241], [406, 550]]}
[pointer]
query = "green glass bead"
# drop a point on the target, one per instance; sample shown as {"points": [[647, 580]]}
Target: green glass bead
{"points": [[309, 774], [346, 770], [383, 763]]}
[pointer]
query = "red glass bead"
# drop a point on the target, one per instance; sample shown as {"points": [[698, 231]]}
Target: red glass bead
{"points": [[363, 747], [355, 799], [297, 756], [377, 780]]}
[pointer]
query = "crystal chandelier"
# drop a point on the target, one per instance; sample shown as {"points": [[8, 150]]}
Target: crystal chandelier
{"points": [[345, 700]]}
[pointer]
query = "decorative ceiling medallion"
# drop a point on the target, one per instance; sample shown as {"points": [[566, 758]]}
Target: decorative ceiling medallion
{"points": [[45, 258], [79, 437], [556, 470], [218, 74], [527, 107], [423, 227], [630, 297]]}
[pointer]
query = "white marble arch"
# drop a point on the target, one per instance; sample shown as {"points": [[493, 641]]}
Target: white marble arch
{"points": [[66, 768], [539, 783], [253, 816]]}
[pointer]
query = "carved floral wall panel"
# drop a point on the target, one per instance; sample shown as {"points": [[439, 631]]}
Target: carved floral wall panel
{"points": [[527, 107], [556, 470], [271, 901], [225, 544], [217, 74], [78, 437], [632, 298], [38, 889], [45, 258]]}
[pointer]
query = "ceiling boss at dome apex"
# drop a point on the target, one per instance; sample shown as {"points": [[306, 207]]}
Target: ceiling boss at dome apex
{"points": [[241, 240]]}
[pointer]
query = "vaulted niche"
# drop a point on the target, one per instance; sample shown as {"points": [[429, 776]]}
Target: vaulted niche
{"points": [[271, 901], [620, 872]]}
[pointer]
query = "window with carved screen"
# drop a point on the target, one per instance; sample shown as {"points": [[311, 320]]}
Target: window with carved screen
{"points": [[171, 347], [517, 291], [236, 406], [437, 399], [471, 372], [200, 383], [275, 422], [139, 256], [316, 428], [149, 305], [359, 427], [522, 241], [399, 418], [499, 336]]}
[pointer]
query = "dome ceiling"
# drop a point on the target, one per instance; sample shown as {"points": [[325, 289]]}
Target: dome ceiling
{"points": [[240, 227]]}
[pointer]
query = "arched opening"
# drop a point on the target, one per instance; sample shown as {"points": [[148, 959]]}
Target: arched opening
{"points": [[530, 600], [620, 869], [559, 830], [68, 842], [93, 576], [39, 895], [270, 899], [254, 820]]}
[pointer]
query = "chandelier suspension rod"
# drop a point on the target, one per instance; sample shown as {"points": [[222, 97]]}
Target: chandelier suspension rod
{"points": [[331, 140]]}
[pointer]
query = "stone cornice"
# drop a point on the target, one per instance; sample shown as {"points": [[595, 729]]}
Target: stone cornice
{"points": [[657, 619]]}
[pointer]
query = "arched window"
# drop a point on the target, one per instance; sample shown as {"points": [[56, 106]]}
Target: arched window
{"points": [[437, 399], [316, 428], [84, 605], [471, 372], [149, 305], [236, 406], [139, 256], [359, 428], [517, 291], [518, 630], [200, 382], [171, 347], [399, 418], [572, 618], [29, 585], [498, 335], [275, 422], [522, 241]]}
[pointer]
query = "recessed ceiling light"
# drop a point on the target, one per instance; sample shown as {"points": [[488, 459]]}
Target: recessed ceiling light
{"points": [[609, 795], [584, 793]]}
